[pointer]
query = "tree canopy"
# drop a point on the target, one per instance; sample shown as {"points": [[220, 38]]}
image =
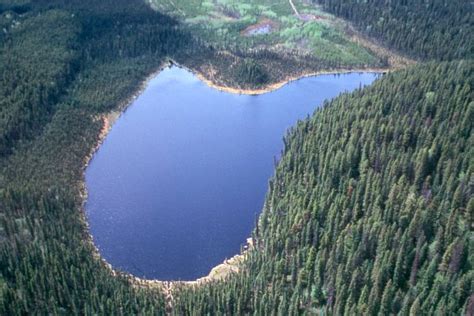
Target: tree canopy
{"points": [[370, 210]]}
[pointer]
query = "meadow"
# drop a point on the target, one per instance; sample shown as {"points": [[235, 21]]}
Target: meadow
{"points": [[271, 25]]}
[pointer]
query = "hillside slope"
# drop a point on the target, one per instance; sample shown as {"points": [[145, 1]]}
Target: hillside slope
{"points": [[370, 209], [60, 72], [424, 29]]}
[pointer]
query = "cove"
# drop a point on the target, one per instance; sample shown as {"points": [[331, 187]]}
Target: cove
{"points": [[176, 185]]}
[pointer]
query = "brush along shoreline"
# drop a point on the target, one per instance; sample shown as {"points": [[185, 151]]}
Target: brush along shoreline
{"points": [[206, 77]]}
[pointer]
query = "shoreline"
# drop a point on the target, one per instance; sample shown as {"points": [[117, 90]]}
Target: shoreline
{"points": [[277, 85], [108, 120], [217, 273], [228, 266]]}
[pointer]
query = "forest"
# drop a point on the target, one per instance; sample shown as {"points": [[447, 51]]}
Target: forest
{"points": [[64, 63], [370, 209], [434, 29]]}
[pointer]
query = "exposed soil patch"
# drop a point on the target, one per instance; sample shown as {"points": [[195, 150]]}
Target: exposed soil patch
{"points": [[265, 26], [311, 17]]}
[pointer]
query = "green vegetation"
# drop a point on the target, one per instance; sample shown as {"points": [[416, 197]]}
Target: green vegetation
{"points": [[250, 71], [370, 210], [64, 63], [434, 29], [234, 25], [20, 112]]}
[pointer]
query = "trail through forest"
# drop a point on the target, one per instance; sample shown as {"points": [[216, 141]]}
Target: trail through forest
{"points": [[294, 9]]}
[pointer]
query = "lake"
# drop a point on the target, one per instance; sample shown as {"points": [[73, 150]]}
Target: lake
{"points": [[178, 182]]}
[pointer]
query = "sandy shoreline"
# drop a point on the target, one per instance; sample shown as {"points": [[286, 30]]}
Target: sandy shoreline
{"points": [[219, 272], [277, 85]]}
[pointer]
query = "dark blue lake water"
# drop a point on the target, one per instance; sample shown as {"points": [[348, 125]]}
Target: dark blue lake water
{"points": [[176, 185]]}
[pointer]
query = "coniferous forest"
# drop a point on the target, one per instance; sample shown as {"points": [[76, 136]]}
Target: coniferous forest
{"points": [[436, 29], [370, 210]]}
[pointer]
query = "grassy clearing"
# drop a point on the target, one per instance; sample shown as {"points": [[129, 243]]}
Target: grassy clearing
{"points": [[240, 25]]}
